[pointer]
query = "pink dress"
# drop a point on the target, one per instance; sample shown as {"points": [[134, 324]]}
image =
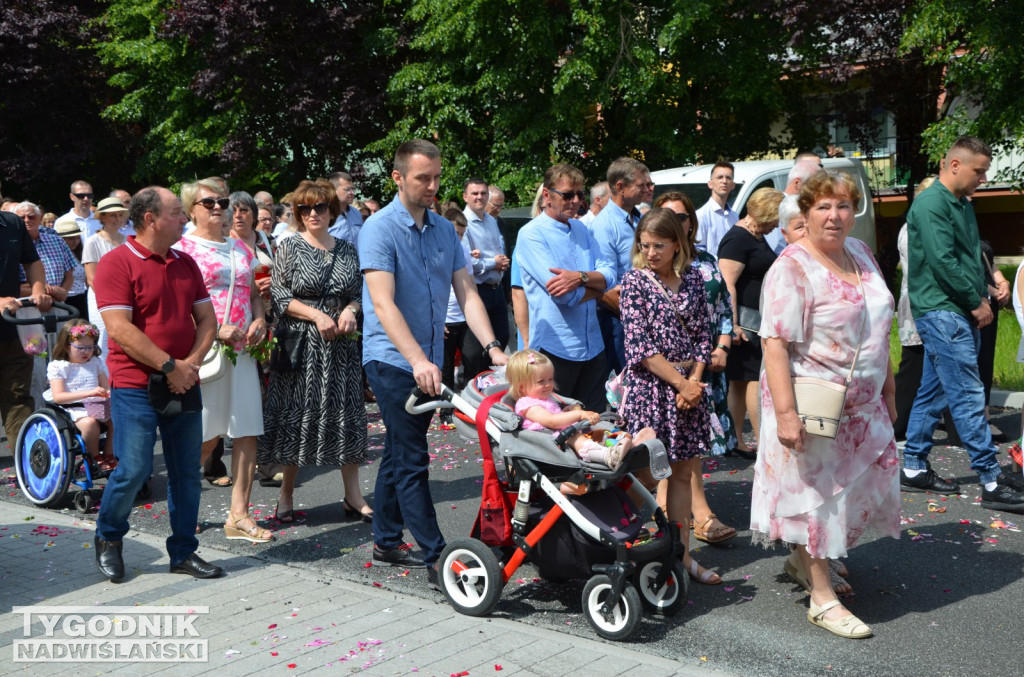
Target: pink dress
{"points": [[827, 496], [524, 403]]}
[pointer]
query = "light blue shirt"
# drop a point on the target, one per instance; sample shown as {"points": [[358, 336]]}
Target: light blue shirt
{"points": [[483, 234], [455, 313], [347, 225], [613, 229], [423, 262], [713, 222], [561, 325], [515, 279], [776, 240]]}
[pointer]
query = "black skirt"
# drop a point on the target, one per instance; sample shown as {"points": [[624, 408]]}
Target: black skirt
{"points": [[744, 363]]}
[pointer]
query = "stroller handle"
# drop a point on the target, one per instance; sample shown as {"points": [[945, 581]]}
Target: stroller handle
{"points": [[70, 313], [566, 433], [422, 408]]}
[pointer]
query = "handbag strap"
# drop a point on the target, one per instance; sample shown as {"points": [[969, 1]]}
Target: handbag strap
{"points": [[231, 283], [864, 298]]}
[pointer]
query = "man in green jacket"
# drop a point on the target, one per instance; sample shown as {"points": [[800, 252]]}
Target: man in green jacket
{"points": [[949, 301]]}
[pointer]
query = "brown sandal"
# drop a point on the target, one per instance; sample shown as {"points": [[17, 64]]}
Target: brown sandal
{"points": [[254, 534], [702, 532]]}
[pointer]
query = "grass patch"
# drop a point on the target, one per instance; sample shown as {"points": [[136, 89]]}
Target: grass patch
{"points": [[1008, 373]]}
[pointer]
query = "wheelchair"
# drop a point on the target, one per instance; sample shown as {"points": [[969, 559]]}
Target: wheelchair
{"points": [[50, 454]]}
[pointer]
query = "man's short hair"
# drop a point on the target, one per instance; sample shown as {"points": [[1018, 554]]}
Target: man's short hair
{"points": [[972, 145], [32, 206], [455, 215], [337, 177], [78, 182], [807, 155], [414, 147], [803, 170], [598, 190], [147, 200], [556, 173], [721, 164], [624, 169], [472, 180]]}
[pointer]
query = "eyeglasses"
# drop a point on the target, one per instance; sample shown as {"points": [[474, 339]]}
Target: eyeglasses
{"points": [[656, 246], [83, 196], [80, 347], [266, 219], [568, 195], [210, 202], [319, 207]]}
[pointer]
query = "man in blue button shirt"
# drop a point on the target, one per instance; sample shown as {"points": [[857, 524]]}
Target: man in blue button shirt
{"points": [[613, 228], [563, 272], [411, 258], [346, 226]]}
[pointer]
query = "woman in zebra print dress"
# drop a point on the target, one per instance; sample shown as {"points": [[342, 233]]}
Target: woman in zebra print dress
{"points": [[315, 415]]}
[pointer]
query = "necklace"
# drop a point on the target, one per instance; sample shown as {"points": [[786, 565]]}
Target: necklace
{"points": [[747, 225]]}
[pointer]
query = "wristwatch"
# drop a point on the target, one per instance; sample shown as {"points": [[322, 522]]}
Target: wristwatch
{"points": [[584, 278], [492, 344], [168, 366]]}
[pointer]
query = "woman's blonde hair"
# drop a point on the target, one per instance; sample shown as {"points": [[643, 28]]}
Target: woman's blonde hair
{"points": [[190, 191], [662, 223], [763, 206], [520, 368]]}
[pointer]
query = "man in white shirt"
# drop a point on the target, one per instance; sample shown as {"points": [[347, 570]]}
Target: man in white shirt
{"points": [[716, 217], [489, 262], [349, 221], [82, 198], [805, 167], [599, 195]]}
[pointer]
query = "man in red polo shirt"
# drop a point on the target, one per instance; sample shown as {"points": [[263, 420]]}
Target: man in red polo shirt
{"points": [[160, 321]]}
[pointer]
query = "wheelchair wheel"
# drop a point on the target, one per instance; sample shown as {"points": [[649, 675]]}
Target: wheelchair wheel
{"points": [[84, 502], [667, 599], [470, 577], [619, 622], [43, 459]]}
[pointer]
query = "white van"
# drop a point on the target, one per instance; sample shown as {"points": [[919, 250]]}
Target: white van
{"points": [[749, 176]]}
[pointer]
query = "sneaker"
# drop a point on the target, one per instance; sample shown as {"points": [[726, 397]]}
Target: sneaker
{"points": [[928, 481], [1008, 495], [616, 454], [432, 578], [402, 556]]}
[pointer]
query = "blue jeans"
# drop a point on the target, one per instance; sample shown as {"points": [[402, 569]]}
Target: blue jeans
{"points": [[950, 378], [402, 493], [614, 338], [135, 426]]}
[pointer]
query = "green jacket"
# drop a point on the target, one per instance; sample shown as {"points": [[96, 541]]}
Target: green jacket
{"points": [[944, 252]]}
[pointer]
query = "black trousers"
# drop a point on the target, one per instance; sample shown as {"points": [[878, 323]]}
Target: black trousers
{"points": [[908, 380], [454, 336], [474, 359], [583, 381]]}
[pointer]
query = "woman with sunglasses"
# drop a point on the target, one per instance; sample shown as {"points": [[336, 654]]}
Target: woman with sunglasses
{"points": [[706, 525], [231, 404], [314, 411]]}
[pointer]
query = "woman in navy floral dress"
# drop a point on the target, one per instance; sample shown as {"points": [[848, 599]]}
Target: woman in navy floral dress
{"points": [[668, 344], [706, 525]]}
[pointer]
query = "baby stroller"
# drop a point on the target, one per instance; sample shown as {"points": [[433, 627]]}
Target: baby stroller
{"points": [[50, 454], [628, 569]]}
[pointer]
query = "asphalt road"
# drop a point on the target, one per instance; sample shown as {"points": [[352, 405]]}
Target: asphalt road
{"points": [[944, 599]]}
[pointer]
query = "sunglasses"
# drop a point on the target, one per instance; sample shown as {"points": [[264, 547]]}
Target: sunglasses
{"points": [[83, 196], [569, 194], [210, 202], [319, 207], [683, 216]]}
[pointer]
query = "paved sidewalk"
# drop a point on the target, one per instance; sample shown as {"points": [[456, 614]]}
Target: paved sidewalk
{"points": [[276, 619]]}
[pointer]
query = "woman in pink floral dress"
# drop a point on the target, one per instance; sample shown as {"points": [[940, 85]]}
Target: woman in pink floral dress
{"points": [[814, 493]]}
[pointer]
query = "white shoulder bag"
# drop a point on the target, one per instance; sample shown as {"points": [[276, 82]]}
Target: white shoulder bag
{"points": [[215, 365]]}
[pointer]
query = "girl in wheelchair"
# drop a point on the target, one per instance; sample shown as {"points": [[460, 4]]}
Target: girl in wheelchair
{"points": [[79, 383]]}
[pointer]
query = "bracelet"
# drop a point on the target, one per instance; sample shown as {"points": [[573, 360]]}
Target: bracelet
{"points": [[352, 309], [722, 346], [493, 344]]}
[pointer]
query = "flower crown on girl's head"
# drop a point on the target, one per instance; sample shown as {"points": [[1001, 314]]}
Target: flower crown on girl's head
{"points": [[82, 330]]}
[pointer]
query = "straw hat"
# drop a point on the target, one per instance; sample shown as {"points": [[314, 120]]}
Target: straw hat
{"points": [[109, 205], [67, 226]]}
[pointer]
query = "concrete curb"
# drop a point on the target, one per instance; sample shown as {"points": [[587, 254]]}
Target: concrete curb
{"points": [[1007, 398]]}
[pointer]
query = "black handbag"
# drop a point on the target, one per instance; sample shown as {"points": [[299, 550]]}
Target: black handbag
{"points": [[287, 352], [166, 403]]}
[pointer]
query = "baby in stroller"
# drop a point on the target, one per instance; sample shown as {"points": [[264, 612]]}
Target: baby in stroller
{"points": [[531, 381]]}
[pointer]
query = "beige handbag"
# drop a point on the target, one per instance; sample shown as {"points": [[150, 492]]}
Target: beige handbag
{"points": [[820, 402], [215, 364]]}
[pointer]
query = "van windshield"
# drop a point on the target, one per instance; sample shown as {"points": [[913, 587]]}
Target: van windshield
{"points": [[699, 193]]}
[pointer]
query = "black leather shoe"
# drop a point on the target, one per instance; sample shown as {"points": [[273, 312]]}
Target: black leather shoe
{"points": [[432, 578], [928, 481], [108, 559], [402, 556], [1007, 496], [195, 566]]}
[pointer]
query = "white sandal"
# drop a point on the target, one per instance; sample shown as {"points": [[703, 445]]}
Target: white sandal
{"points": [[849, 627]]}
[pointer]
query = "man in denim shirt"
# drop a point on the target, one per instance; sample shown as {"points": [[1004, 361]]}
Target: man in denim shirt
{"points": [[563, 272], [412, 259]]}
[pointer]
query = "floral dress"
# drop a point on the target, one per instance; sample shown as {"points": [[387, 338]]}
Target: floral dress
{"points": [[652, 326], [828, 495], [723, 430]]}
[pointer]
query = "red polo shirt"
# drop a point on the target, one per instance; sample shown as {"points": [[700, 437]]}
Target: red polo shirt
{"points": [[160, 293]]}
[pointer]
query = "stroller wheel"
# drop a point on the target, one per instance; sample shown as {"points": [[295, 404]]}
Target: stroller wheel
{"points": [[470, 577], [43, 459], [670, 596], [621, 621]]}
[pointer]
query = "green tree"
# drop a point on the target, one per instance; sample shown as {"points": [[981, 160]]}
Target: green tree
{"points": [[978, 44]]}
